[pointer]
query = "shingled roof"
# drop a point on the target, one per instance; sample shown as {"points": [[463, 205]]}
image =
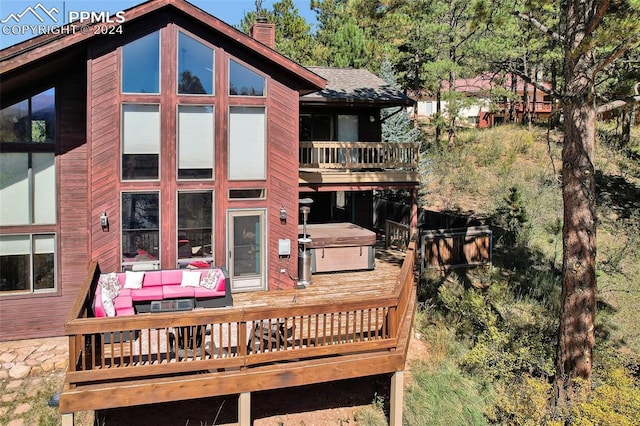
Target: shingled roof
{"points": [[355, 86]]}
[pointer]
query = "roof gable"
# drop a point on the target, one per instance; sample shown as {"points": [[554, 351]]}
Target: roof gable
{"points": [[41, 47]]}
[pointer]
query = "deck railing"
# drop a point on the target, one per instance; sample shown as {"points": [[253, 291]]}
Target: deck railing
{"points": [[358, 155], [105, 351], [540, 106], [396, 234]]}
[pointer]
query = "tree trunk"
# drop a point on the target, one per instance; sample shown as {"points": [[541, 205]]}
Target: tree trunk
{"points": [[452, 112], [534, 103], [513, 101], [628, 117], [576, 334], [438, 112]]}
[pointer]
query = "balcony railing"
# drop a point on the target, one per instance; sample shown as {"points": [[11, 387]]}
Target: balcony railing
{"points": [[358, 155], [540, 106], [159, 357]]}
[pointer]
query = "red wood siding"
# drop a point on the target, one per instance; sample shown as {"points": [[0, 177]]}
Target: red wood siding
{"points": [[282, 163], [103, 130]]}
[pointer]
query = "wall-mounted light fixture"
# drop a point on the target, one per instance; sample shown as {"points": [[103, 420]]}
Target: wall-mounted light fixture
{"points": [[372, 119], [104, 222], [283, 214]]}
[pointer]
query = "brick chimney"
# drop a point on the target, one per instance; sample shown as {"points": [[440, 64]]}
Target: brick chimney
{"points": [[264, 32]]}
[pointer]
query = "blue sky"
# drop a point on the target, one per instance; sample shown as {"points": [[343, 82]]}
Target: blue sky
{"points": [[28, 25]]}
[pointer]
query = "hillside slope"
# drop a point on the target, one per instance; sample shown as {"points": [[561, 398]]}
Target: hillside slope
{"points": [[476, 176]]}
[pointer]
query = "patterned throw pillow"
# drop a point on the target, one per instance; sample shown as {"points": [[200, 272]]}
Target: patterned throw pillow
{"points": [[110, 284], [210, 281], [107, 303]]}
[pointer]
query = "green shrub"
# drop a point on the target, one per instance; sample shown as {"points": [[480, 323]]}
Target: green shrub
{"points": [[616, 402], [490, 153], [512, 219], [372, 415], [508, 334], [523, 144], [522, 402]]}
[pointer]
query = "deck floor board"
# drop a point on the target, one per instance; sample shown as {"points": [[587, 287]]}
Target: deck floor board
{"points": [[334, 285]]}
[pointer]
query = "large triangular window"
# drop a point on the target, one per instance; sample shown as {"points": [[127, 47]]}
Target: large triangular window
{"points": [[195, 67], [243, 81]]}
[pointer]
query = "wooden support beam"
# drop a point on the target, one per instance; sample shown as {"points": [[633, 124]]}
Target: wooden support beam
{"points": [[67, 419], [244, 409], [397, 398]]}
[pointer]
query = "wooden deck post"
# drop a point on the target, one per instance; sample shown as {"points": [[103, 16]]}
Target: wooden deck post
{"points": [[397, 399], [413, 221], [67, 419], [244, 409]]}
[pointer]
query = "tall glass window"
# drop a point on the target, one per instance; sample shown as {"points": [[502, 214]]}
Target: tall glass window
{"points": [[27, 263], [243, 81], [141, 65], [28, 185], [195, 228], [247, 143], [27, 179], [140, 141], [28, 193], [140, 230], [195, 141], [32, 120], [195, 66]]}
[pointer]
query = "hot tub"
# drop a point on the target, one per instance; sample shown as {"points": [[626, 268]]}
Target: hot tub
{"points": [[340, 247]]}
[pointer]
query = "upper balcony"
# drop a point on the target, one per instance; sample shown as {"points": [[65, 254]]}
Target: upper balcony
{"points": [[384, 163]]}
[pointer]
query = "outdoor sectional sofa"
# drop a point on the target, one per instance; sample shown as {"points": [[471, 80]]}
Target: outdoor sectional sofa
{"points": [[133, 292]]}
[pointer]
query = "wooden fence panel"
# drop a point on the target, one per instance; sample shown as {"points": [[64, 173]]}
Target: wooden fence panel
{"points": [[456, 248]]}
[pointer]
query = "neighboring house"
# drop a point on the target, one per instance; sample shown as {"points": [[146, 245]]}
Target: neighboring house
{"points": [[490, 105], [174, 143]]}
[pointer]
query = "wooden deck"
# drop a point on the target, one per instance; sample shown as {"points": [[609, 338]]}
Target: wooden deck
{"points": [[343, 325], [334, 285]]}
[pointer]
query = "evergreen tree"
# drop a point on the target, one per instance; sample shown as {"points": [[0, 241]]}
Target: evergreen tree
{"points": [[346, 41], [397, 126], [293, 34], [587, 26]]}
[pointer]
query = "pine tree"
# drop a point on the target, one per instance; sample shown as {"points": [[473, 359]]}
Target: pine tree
{"points": [[397, 126]]}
